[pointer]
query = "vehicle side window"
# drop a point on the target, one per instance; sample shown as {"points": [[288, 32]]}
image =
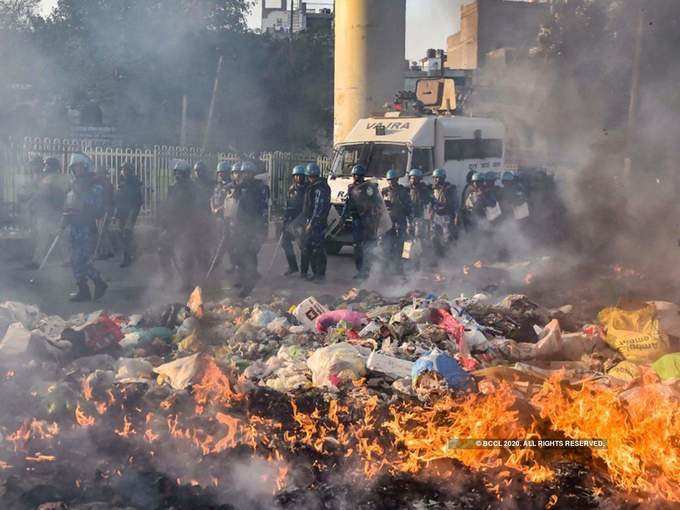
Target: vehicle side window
{"points": [[458, 150], [422, 159]]}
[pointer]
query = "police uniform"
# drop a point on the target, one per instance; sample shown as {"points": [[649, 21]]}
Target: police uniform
{"points": [[104, 223], [445, 208], [128, 200], [249, 230], [83, 207], [315, 209], [47, 205], [181, 237], [294, 204], [477, 201], [362, 205], [398, 202]]}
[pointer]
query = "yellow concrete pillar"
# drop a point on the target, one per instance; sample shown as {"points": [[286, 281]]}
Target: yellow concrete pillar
{"points": [[369, 58]]}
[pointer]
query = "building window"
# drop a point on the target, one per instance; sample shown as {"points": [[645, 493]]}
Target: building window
{"points": [[459, 150]]}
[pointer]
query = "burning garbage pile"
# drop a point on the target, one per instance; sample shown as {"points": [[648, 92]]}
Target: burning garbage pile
{"points": [[425, 401]]}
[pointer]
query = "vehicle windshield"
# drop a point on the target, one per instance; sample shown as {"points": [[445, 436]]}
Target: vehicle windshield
{"points": [[378, 158]]}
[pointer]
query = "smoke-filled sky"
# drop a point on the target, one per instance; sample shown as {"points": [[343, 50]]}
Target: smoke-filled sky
{"points": [[428, 22]]}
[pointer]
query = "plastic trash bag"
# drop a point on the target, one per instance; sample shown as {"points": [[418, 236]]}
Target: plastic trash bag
{"points": [[325, 321], [181, 372], [668, 366], [133, 370], [625, 371], [444, 366], [636, 334], [333, 365], [28, 315]]}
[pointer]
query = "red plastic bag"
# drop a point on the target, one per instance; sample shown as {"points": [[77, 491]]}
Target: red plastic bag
{"points": [[445, 320], [102, 334]]}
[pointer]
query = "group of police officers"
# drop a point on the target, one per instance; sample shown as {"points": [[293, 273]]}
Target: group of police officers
{"points": [[203, 220], [86, 208]]}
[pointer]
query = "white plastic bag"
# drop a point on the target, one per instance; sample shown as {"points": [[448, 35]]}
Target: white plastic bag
{"points": [[336, 364]]}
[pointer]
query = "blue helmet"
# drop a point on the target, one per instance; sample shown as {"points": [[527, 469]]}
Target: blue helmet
{"points": [[223, 167], [236, 167], [392, 174], [490, 176], [312, 170], [358, 170], [476, 177], [508, 177], [299, 170], [80, 158], [416, 172], [439, 172], [248, 167]]}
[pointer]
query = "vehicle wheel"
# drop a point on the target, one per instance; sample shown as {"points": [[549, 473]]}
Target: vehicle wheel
{"points": [[333, 247]]}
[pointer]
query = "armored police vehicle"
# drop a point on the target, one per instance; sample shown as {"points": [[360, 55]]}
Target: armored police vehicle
{"points": [[411, 138]]}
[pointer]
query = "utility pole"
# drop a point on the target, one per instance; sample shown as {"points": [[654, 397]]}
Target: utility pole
{"points": [[634, 93], [211, 110], [183, 128]]}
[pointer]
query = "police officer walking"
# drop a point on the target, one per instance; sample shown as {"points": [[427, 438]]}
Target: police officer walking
{"points": [[445, 209], [421, 200], [224, 187], [398, 202], [363, 206], [84, 206], [294, 204], [250, 226], [105, 248], [47, 204], [315, 209], [128, 201], [179, 245], [205, 185]]}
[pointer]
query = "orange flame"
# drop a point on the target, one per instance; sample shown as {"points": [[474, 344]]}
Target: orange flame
{"points": [[83, 419]]}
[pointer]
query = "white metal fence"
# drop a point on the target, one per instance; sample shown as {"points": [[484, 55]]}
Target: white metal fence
{"points": [[153, 166]]}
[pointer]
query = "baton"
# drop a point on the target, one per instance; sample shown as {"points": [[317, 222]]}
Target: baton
{"points": [[213, 263], [99, 236], [276, 252], [50, 250]]}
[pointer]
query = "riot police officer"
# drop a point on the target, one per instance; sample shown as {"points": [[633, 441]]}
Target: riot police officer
{"points": [[128, 202], [445, 209], [203, 182], [477, 212], [294, 203], [398, 202], [363, 207], [421, 198], [84, 206], [181, 243], [249, 226], [47, 204], [224, 186], [512, 199], [105, 248], [315, 209]]}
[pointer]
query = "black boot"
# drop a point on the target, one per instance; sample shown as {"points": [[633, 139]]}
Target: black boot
{"points": [[292, 265], [83, 293], [304, 263], [100, 287]]}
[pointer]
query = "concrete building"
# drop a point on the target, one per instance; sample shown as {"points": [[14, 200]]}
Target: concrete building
{"points": [[489, 25], [276, 17]]}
